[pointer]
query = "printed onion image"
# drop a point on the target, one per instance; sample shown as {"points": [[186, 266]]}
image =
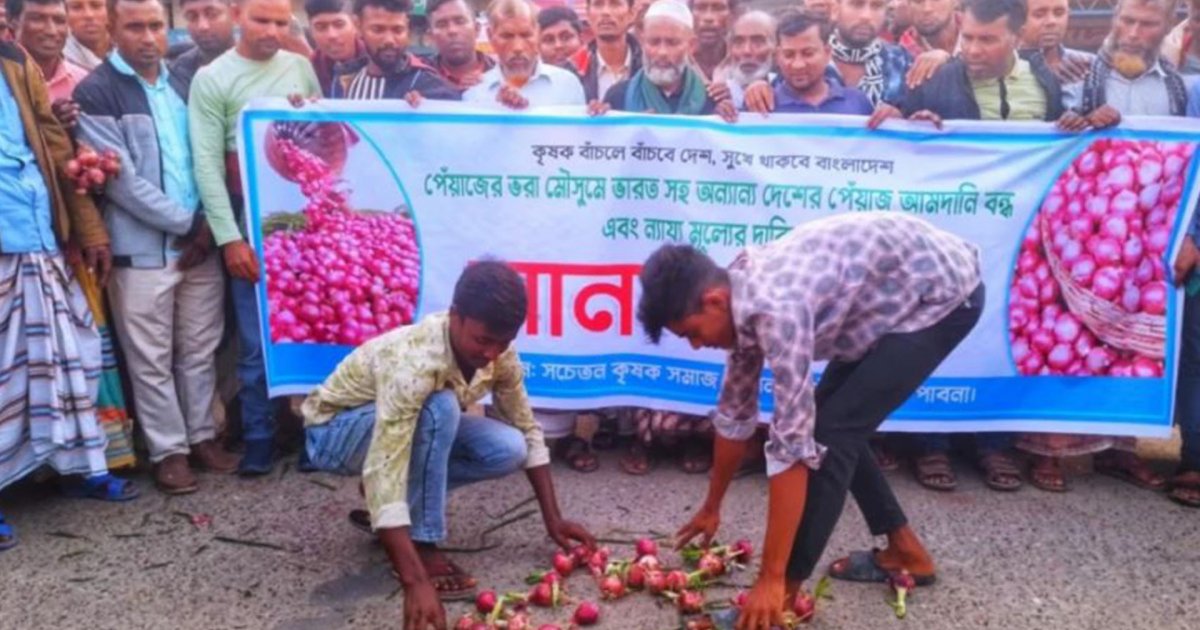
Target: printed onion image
{"points": [[1089, 291], [335, 275]]}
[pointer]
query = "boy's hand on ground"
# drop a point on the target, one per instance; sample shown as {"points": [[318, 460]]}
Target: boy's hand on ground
{"points": [[422, 607]]}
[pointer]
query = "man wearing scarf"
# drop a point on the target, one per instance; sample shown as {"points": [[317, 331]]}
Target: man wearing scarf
{"points": [[667, 83], [1045, 30], [861, 59], [1129, 77]]}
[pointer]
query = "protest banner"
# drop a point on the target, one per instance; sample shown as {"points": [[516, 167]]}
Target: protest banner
{"points": [[365, 214]]}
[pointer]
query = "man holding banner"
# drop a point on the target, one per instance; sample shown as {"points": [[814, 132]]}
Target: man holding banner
{"points": [[256, 67], [885, 298], [667, 83], [392, 410]]}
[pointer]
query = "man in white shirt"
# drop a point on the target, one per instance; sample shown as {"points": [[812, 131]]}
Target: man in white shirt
{"points": [[520, 79], [1129, 77]]}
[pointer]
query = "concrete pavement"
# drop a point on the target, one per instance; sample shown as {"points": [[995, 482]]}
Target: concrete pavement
{"points": [[1105, 555]]}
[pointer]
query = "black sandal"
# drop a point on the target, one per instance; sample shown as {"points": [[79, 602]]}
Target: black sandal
{"points": [[860, 566]]}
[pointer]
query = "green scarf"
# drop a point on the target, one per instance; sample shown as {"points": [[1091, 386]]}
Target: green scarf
{"points": [[642, 95]]}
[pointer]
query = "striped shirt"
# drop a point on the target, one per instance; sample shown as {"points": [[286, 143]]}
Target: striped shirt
{"points": [[365, 87]]}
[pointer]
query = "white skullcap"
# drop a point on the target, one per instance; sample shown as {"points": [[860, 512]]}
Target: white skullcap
{"points": [[671, 9]]}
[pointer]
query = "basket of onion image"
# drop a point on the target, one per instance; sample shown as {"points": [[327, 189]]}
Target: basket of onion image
{"points": [[1099, 306]]}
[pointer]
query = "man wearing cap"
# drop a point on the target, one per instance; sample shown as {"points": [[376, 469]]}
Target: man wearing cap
{"points": [[667, 83]]}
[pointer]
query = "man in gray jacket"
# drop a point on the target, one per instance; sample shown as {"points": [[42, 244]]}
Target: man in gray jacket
{"points": [[167, 290]]}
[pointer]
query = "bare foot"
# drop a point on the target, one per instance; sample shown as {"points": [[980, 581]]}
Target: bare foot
{"points": [[905, 551]]}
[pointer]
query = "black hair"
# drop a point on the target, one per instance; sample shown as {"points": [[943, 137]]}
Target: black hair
{"points": [[988, 11], [733, 5], [432, 6], [313, 8], [17, 7], [797, 22], [628, 2], [111, 6], [674, 280], [491, 292], [553, 15], [391, 6], [183, 2]]}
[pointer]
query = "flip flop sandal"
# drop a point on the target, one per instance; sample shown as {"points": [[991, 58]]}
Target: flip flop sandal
{"points": [[997, 466], [1113, 469], [695, 459], [101, 487], [453, 573], [573, 451], [447, 594], [8, 536], [360, 520], [1183, 481], [928, 467], [627, 468], [1037, 476], [860, 566]]}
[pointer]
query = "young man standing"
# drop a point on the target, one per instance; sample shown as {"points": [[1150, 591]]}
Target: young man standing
{"points": [[210, 25], [453, 29], [88, 43], [615, 55], [862, 59], [391, 71], [559, 32], [802, 57], [256, 67], [884, 298], [392, 410], [167, 287], [1045, 29], [339, 50], [934, 26]]}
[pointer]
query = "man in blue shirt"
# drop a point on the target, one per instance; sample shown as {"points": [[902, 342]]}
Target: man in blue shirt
{"points": [[167, 288], [802, 56], [50, 350]]}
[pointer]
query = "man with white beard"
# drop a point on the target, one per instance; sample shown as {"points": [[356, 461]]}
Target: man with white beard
{"points": [[667, 83], [751, 49]]}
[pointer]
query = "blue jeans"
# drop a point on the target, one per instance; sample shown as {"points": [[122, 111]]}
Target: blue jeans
{"points": [[1187, 402], [258, 423], [449, 450]]}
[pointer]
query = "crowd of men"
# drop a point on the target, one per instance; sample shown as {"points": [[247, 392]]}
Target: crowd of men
{"points": [[159, 265]]}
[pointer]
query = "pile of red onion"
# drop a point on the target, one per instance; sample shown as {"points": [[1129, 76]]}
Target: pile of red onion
{"points": [[1108, 221], [344, 277]]}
